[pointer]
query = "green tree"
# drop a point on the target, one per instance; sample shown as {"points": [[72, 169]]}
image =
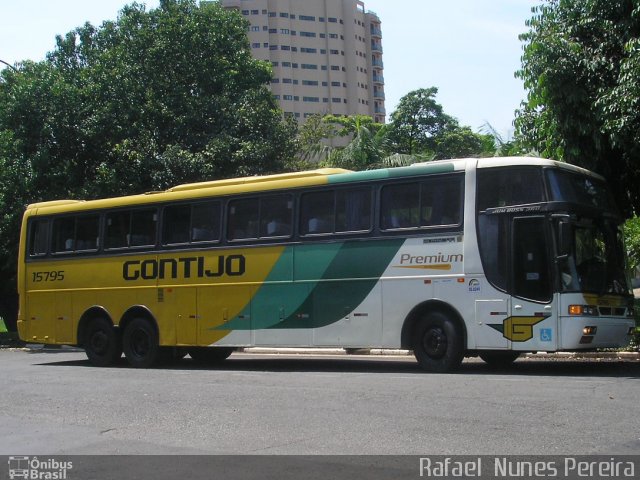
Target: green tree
{"points": [[457, 142], [149, 100], [581, 67], [632, 241], [416, 122], [367, 149]]}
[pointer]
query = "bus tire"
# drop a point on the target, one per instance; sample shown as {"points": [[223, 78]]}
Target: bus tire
{"points": [[438, 343], [140, 343], [210, 355], [499, 359], [101, 342]]}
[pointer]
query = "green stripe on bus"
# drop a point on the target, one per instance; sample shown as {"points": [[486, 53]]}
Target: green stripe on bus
{"points": [[278, 293], [344, 274], [354, 272], [410, 171]]}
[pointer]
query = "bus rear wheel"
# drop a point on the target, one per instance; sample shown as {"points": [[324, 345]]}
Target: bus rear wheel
{"points": [[438, 343], [499, 359], [140, 343], [101, 342], [210, 355]]}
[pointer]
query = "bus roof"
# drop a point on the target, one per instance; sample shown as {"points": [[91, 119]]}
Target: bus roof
{"points": [[322, 176]]}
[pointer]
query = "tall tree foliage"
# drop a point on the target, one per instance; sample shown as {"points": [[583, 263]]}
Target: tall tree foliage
{"points": [[149, 100], [581, 67], [418, 121]]}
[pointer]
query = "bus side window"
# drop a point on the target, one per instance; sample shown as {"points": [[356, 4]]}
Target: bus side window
{"points": [[73, 234], [441, 202], [400, 206], [64, 234], [143, 228], [117, 231], [353, 210], [317, 213], [175, 224], [243, 219], [87, 232], [205, 222], [38, 237], [275, 216]]}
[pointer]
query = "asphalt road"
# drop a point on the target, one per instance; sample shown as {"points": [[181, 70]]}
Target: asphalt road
{"points": [[56, 403]]}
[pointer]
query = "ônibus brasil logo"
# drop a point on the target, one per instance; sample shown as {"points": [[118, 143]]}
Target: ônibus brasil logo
{"points": [[30, 468]]}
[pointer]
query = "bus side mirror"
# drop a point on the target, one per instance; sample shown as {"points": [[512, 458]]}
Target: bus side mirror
{"points": [[565, 239]]}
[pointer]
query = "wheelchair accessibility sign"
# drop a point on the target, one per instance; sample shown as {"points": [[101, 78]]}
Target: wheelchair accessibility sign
{"points": [[546, 335]]}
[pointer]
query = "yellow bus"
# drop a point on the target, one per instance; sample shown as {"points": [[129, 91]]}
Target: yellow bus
{"points": [[488, 257]]}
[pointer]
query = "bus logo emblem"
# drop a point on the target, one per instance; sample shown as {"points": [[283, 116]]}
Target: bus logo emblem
{"points": [[517, 329]]}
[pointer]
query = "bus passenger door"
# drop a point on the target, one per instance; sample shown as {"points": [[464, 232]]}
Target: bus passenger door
{"points": [[532, 325]]}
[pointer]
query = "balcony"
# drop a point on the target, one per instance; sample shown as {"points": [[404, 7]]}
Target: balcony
{"points": [[377, 62], [376, 47], [376, 32], [378, 79], [379, 94]]}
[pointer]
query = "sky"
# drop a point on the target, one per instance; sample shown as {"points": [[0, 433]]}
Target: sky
{"points": [[468, 49]]}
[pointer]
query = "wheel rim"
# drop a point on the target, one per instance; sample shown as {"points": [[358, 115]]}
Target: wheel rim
{"points": [[140, 344], [435, 342], [99, 342]]}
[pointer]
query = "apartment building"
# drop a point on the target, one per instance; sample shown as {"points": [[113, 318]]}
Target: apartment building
{"points": [[326, 54]]}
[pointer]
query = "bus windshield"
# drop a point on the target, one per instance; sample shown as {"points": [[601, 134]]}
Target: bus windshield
{"points": [[596, 260], [579, 189]]}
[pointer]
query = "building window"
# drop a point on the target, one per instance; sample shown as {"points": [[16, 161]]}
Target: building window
{"points": [[286, 80], [333, 20], [307, 18], [308, 66], [284, 31], [308, 50], [285, 47], [334, 52], [284, 15], [311, 99], [313, 83], [335, 84], [336, 100], [308, 34]]}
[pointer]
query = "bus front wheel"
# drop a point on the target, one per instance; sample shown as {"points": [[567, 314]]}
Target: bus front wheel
{"points": [[101, 342], [140, 343], [438, 343]]}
